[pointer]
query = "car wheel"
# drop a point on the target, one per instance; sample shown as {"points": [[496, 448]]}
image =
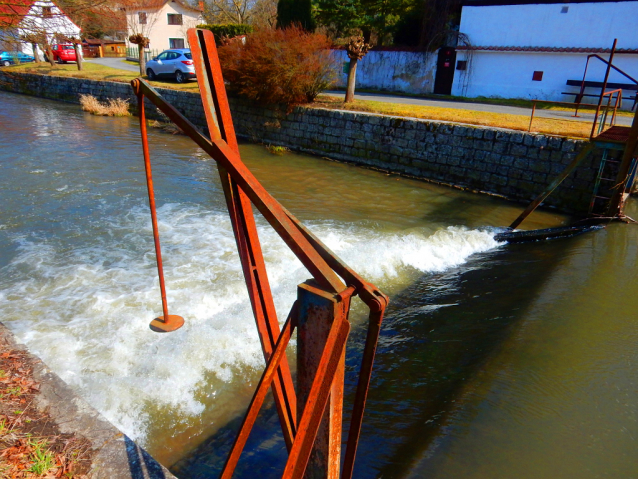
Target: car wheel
{"points": [[6, 63], [180, 77], [150, 74]]}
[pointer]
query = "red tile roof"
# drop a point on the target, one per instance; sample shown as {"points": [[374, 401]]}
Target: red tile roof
{"points": [[12, 12], [545, 49]]}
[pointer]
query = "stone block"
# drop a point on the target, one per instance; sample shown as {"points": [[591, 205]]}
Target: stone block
{"points": [[478, 133], [516, 138], [518, 150], [554, 143]]}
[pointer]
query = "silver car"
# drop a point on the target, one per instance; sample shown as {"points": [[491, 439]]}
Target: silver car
{"points": [[175, 63]]}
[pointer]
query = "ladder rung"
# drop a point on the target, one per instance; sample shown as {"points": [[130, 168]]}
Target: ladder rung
{"points": [[602, 197], [608, 179]]}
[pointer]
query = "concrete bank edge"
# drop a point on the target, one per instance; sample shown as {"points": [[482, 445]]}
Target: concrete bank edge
{"points": [[116, 456]]}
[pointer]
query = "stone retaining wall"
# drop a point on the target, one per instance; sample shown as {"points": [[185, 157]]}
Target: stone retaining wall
{"points": [[512, 164]]}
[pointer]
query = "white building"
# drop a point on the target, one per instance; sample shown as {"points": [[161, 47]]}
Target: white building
{"points": [[36, 21], [530, 49], [163, 22]]}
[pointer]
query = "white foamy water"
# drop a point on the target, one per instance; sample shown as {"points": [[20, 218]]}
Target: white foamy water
{"points": [[86, 311]]}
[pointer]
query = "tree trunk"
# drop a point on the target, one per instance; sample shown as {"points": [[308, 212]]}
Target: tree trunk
{"points": [[140, 51], [36, 54], [352, 75], [78, 56], [48, 53]]}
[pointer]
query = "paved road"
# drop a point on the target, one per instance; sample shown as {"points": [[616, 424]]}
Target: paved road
{"points": [[118, 63], [459, 105]]}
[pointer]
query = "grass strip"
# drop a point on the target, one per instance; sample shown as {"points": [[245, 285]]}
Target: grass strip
{"points": [[560, 127]]}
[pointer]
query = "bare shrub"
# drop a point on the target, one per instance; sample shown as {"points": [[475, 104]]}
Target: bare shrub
{"points": [[113, 107], [287, 66]]}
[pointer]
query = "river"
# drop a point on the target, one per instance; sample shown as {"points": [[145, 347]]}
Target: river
{"points": [[495, 361]]}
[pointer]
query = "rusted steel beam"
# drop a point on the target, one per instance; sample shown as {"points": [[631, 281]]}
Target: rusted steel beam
{"points": [[553, 185], [220, 127], [602, 91], [368, 292], [166, 322], [269, 375], [318, 311], [361, 396], [615, 207], [267, 205], [313, 411]]}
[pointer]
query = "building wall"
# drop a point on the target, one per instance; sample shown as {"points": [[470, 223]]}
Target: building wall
{"points": [[512, 164], [584, 25], [157, 28], [509, 74], [407, 72]]}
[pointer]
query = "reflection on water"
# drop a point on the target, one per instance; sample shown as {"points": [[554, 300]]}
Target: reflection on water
{"points": [[465, 332]]}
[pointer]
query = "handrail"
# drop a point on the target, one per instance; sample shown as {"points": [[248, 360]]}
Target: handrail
{"points": [[617, 104]]}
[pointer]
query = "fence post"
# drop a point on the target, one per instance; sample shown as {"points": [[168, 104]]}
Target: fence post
{"points": [[317, 311]]}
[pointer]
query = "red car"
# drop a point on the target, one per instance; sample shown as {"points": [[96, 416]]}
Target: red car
{"points": [[64, 53]]}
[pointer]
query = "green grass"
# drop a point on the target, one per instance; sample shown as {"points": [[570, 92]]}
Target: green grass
{"points": [[93, 71], [277, 150], [41, 457]]}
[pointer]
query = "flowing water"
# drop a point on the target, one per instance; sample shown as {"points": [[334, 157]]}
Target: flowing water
{"points": [[495, 361]]}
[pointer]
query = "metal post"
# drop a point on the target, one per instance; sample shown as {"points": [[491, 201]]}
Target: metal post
{"points": [[166, 322], [616, 202], [531, 118], [602, 92], [318, 309]]}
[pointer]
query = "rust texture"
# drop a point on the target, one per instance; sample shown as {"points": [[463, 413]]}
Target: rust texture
{"points": [[311, 416]]}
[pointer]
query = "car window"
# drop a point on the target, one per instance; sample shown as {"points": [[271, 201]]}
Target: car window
{"points": [[55, 47], [174, 56], [162, 56], [67, 47], [188, 55]]}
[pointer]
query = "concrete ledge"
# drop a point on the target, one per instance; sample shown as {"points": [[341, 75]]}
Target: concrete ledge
{"points": [[115, 455]]}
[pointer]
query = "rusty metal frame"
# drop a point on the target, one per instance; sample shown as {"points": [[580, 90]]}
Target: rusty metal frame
{"points": [[610, 93], [241, 190]]}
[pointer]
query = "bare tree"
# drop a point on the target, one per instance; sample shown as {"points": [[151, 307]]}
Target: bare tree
{"points": [[264, 14], [356, 49], [251, 12]]}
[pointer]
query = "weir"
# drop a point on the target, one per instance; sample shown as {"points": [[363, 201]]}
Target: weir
{"points": [[310, 416]]}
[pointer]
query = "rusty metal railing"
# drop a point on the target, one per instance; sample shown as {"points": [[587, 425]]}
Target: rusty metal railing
{"points": [[617, 104], [242, 190]]}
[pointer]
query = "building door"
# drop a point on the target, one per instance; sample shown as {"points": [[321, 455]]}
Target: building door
{"points": [[445, 71]]}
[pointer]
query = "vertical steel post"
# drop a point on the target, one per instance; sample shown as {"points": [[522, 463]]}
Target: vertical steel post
{"points": [[616, 202], [602, 92], [318, 309], [166, 322]]}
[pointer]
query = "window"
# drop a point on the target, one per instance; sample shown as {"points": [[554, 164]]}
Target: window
{"points": [[461, 65], [174, 19], [176, 42], [162, 56], [537, 76], [564, 10], [46, 12], [142, 18]]}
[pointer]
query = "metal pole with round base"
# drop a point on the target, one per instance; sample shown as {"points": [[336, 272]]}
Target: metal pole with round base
{"points": [[167, 322]]}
